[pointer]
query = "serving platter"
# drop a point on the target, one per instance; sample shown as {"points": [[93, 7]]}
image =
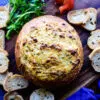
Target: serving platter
{"points": [[86, 76]]}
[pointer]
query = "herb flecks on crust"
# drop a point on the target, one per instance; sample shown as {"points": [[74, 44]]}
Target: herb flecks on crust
{"points": [[49, 52]]}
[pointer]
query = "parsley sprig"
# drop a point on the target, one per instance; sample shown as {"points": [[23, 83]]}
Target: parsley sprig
{"points": [[21, 12]]}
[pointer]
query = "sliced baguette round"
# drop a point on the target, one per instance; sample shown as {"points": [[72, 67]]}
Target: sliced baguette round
{"points": [[12, 96], [95, 59], [94, 40], [90, 25], [8, 74], [41, 94], [4, 15], [3, 77], [78, 16], [4, 62], [95, 31], [2, 39], [15, 82]]}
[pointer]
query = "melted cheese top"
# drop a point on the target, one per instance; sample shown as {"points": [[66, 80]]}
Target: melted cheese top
{"points": [[49, 52]]}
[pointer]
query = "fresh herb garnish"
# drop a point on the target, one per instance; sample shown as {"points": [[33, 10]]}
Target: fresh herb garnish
{"points": [[21, 12]]}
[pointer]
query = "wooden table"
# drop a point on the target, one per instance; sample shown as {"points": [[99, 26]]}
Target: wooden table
{"points": [[87, 74]]}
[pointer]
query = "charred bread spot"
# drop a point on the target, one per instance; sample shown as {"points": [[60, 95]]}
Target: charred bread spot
{"points": [[33, 28], [90, 19], [56, 46], [59, 29], [71, 31], [92, 23], [63, 24], [62, 35], [70, 36], [98, 36], [29, 43], [73, 52], [48, 27], [93, 43], [34, 39], [85, 12], [48, 61], [24, 42], [43, 46], [51, 61], [38, 71]]}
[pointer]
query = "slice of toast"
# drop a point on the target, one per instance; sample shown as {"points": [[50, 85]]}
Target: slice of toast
{"points": [[78, 17], [95, 59], [2, 39], [2, 77], [41, 94], [12, 96], [94, 40], [4, 16], [4, 61], [15, 82], [90, 25]]}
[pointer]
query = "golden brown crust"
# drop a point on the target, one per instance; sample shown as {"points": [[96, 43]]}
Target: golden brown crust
{"points": [[38, 22]]}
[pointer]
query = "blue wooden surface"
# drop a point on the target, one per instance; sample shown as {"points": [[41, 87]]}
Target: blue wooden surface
{"points": [[3, 2]]}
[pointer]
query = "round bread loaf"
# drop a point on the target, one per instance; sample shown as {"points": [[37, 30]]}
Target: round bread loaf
{"points": [[49, 51]]}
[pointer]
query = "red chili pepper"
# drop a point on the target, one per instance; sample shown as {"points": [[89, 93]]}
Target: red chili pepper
{"points": [[66, 5]]}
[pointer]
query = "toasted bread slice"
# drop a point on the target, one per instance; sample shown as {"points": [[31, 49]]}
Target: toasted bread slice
{"points": [[95, 31], [90, 25], [2, 77], [78, 16], [4, 62], [8, 74], [95, 59], [4, 16], [12, 96], [15, 82], [94, 40], [2, 39], [41, 94]]}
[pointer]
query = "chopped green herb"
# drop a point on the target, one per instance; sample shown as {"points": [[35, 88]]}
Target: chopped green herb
{"points": [[21, 12]]}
